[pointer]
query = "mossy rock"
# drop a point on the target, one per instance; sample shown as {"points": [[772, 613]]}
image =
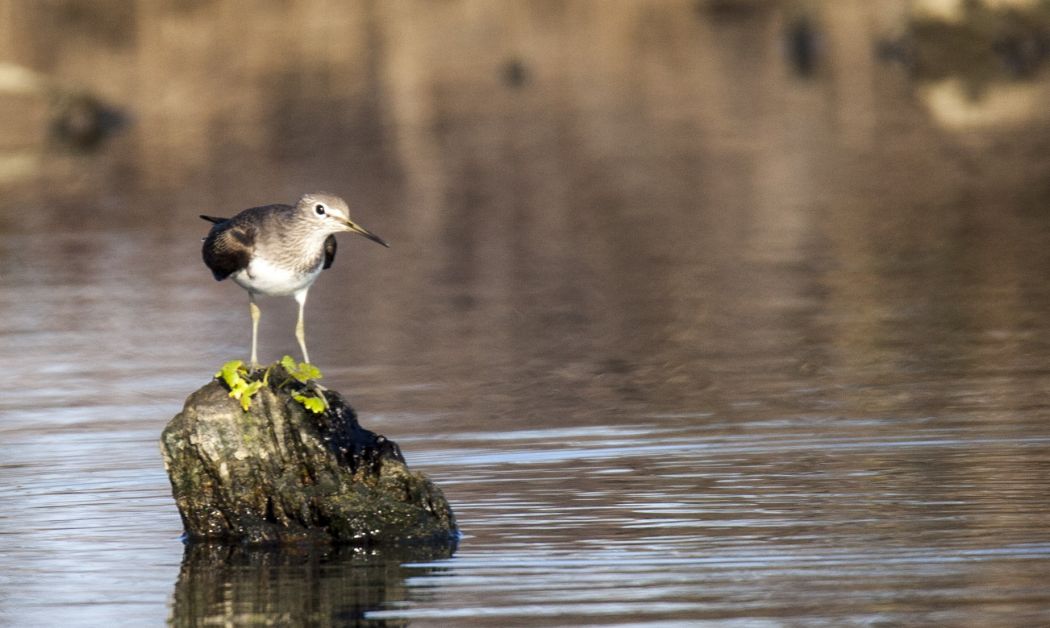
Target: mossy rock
{"points": [[278, 473]]}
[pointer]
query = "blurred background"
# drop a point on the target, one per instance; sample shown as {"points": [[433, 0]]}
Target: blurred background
{"points": [[727, 310]]}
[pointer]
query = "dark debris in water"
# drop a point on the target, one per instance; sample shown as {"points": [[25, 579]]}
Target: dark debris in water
{"points": [[987, 43], [83, 122]]}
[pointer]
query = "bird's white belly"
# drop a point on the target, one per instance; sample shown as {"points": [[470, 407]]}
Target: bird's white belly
{"points": [[265, 278]]}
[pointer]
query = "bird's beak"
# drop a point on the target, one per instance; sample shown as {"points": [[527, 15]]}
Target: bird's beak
{"points": [[352, 226]]}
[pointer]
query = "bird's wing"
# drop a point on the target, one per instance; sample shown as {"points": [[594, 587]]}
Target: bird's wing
{"points": [[329, 251], [228, 247]]}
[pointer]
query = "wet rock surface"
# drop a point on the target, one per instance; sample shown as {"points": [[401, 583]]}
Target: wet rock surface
{"points": [[278, 473]]}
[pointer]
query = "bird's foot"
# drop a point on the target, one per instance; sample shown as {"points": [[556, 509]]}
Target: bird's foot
{"points": [[318, 390], [312, 396]]}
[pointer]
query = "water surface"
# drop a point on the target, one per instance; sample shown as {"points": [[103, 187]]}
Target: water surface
{"points": [[684, 333]]}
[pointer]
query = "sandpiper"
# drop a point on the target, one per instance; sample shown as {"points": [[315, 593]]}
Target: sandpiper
{"points": [[279, 250]]}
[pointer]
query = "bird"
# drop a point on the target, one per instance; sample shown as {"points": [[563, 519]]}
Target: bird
{"points": [[279, 250]]}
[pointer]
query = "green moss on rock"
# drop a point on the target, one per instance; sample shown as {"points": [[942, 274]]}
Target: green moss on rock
{"points": [[278, 473]]}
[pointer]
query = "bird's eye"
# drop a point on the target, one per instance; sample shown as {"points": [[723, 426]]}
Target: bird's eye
{"points": [[319, 209]]}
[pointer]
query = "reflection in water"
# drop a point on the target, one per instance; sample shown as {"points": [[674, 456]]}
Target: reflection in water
{"points": [[295, 586], [693, 310]]}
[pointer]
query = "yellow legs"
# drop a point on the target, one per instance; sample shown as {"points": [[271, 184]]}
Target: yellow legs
{"points": [[255, 327], [300, 332], [300, 329]]}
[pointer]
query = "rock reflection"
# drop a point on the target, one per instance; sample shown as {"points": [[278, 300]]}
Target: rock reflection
{"points": [[293, 586]]}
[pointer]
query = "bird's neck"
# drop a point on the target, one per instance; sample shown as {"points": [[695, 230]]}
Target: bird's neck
{"points": [[303, 250]]}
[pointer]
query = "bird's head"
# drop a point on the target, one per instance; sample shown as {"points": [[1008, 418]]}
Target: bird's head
{"points": [[331, 213]]}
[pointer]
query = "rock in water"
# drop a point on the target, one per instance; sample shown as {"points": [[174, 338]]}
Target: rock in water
{"points": [[278, 473]]}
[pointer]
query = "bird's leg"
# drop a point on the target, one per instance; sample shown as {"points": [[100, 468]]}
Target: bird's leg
{"points": [[300, 332], [255, 327]]}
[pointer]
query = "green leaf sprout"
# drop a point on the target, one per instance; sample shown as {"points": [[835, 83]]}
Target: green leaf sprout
{"points": [[302, 371], [237, 378], [317, 405], [235, 374]]}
